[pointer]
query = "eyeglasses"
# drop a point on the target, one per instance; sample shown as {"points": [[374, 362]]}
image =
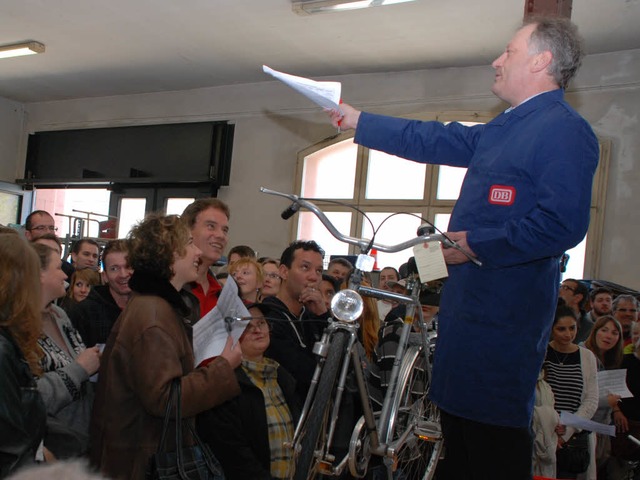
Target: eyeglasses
{"points": [[272, 275], [42, 228], [260, 325], [627, 310], [567, 287]]}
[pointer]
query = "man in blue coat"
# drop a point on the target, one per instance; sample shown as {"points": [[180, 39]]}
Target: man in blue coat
{"points": [[524, 201]]}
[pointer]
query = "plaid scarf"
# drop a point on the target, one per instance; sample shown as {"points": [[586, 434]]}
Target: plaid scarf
{"points": [[264, 375]]}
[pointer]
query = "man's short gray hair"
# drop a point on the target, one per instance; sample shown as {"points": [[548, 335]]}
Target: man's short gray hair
{"points": [[624, 298], [560, 37]]}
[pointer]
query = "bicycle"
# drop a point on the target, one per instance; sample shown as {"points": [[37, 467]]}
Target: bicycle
{"points": [[406, 434]]}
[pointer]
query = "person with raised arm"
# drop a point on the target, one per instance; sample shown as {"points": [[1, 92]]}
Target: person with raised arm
{"points": [[525, 200]]}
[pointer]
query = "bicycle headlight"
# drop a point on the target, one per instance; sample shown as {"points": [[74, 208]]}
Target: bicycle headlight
{"points": [[347, 305]]}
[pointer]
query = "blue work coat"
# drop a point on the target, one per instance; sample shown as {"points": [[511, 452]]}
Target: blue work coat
{"points": [[524, 201]]}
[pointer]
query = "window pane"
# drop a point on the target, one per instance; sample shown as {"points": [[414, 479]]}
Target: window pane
{"points": [[442, 221], [310, 228], [575, 267], [449, 182], [132, 210], [9, 205], [397, 229], [391, 177], [66, 200], [330, 172], [175, 206]]}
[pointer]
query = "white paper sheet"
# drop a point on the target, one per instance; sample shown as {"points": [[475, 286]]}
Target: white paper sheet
{"points": [[572, 420], [614, 381], [210, 333], [430, 261], [325, 94]]}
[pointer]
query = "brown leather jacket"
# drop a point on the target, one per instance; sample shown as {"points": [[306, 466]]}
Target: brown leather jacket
{"points": [[150, 345]]}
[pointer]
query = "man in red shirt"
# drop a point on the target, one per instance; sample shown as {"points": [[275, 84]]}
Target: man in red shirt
{"points": [[208, 219]]}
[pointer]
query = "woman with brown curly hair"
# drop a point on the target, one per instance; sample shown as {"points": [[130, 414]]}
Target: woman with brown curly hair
{"points": [[22, 412], [149, 346]]}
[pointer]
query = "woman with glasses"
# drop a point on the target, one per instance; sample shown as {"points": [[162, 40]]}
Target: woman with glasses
{"points": [[248, 433], [272, 280]]}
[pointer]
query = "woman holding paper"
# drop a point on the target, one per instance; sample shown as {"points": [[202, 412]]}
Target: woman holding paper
{"points": [[571, 372], [149, 346], [605, 341]]}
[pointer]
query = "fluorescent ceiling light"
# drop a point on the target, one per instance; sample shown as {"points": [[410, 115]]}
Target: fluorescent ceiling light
{"points": [[18, 49], [309, 7]]}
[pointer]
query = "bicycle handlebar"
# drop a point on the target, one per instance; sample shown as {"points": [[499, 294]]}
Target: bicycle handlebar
{"points": [[362, 243]]}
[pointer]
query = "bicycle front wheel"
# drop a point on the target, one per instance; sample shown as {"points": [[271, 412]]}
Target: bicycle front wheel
{"points": [[313, 433], [415, 415]]}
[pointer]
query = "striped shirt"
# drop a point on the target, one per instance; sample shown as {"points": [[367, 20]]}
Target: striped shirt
{"points": [[564, 375]]}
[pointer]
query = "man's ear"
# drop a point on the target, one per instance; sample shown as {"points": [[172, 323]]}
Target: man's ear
{"points": [[284, 272], [542, 61]]}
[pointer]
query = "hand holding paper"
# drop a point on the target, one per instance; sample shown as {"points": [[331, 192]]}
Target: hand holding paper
{"points": [[210, 333]]}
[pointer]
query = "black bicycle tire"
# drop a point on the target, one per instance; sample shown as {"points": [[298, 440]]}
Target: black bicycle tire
{"points": [[311, 429], [432, 452]]}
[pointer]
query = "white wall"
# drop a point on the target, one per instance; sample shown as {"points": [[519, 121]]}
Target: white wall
{"points": [[273, 123], [11, 134]]}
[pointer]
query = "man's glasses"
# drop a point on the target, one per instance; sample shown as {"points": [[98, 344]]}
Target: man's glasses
{"points": [[567, 287], [627, 310], [273, 276], [42, 228]]}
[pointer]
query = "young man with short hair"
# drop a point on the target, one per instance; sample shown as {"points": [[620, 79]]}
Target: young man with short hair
{"points": [[85, 253], [298, 312], [208, 219], [95, 316]]}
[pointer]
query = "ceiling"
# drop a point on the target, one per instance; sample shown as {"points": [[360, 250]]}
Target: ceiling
{"points": [[118, 47]]}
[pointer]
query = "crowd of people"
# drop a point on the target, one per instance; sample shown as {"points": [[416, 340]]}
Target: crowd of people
{"points": [[102, 345], [100, 349]]}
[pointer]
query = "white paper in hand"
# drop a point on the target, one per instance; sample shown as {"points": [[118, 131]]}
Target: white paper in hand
{"points": [[210, 332], [325, 94]]}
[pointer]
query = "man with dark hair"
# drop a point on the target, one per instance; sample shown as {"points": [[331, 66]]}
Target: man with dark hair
{"points": [[600, 300], [240, 251], [525, 200], [85, 253], [340, 269], [37, 224], [208, 219], [298, 313], [328, 287], [95, 315], [575, 295]]}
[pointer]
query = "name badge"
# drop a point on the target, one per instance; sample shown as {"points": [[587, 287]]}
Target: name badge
{"points": [[502, 195]]}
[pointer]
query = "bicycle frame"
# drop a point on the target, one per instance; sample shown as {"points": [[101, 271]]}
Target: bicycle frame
{"points": [[379, 432]]}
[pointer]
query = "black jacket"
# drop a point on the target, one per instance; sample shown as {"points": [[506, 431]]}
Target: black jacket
{"points": [[292, 340], [95, 316], [22, 411], [237, 431]]}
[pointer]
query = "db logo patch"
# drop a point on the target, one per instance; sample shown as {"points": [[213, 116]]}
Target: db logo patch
{"points": [[502, 195]]}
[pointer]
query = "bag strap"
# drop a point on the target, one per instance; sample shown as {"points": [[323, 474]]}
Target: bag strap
{"points": [[167, 416], [206, 453]]}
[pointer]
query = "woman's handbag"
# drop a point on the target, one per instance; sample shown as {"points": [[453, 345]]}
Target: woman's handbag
{"points": [[574, 456], [187, 463]]}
